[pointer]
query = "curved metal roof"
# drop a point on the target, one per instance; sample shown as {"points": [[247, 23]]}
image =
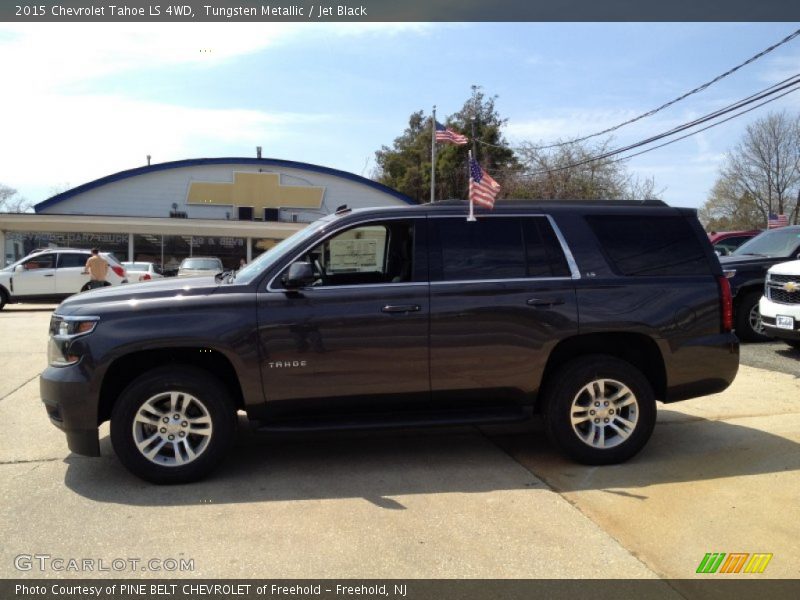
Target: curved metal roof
{"points": [[191, 162]]}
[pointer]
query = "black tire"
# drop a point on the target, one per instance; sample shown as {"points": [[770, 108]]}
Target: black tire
{"points": [[794, 344], [565, 396], [204, 398], [745, 329], [3, 298]]}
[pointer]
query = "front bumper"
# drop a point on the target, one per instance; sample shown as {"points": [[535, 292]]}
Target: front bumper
{"points": [[71, 405], [770, 310]]}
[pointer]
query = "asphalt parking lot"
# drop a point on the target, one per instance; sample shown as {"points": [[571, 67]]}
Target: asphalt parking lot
{"points": [[719, 475]]}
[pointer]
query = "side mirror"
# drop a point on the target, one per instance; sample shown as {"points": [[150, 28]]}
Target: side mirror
{"points": [[299, 275]]}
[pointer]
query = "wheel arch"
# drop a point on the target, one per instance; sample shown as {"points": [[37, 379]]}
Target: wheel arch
{"points": [[125, 369], [637, 349]]}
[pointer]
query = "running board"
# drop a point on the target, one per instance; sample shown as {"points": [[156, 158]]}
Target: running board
{"points": [[415, 419]]}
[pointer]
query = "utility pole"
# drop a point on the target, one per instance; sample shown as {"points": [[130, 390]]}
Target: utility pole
{"points": [[433, 155], [475, 89]]}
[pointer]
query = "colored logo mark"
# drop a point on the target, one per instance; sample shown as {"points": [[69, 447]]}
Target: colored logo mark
{"points": [[735, 562]]}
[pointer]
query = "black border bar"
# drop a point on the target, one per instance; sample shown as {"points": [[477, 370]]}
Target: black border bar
{"points": [[398, 10], [713, 587]]}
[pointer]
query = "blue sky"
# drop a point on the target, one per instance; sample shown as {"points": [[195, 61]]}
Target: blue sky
{"points": [[84, 101]]}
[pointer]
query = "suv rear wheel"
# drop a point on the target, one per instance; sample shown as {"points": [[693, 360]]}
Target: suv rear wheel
{"points": [[599, 410], [3, 298], [173, 425]]}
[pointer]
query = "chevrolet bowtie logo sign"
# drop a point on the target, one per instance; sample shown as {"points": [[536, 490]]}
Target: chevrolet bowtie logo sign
{"points": [[791, 286], [259, 190]]}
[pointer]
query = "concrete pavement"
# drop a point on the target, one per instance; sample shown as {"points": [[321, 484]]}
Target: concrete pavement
{"points": [[415, 504], [719, 475]]}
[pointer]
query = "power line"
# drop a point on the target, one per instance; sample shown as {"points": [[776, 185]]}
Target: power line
{"points": [[649, 113], [790, 84], [683, 137]]}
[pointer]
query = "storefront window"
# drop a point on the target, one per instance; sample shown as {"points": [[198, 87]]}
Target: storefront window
{"points": [[22, 243], [261, 245], [230, 250]]}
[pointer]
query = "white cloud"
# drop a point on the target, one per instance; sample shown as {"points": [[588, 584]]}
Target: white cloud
{"points": [[55, 131], [83, 137], [48, 55], [566, 124]]}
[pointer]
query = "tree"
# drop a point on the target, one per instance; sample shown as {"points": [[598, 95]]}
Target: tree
{"points": [[725, 211], [760, 175], [406, 166], [528, 172], [11, 201], [567, 172]]}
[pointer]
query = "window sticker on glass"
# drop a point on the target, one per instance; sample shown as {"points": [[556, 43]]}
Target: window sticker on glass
{"points": [[353, 255]]}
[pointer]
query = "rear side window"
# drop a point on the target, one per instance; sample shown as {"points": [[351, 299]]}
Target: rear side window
{"points": [[495, 248], [72, 260], [650, 246]]}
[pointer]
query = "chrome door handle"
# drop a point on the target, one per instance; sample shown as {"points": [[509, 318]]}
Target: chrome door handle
{"points": [[544, 302], [400, 308]]}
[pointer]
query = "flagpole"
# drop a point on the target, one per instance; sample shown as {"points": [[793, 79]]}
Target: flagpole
{"points": [[471, 216], [433, 155]]}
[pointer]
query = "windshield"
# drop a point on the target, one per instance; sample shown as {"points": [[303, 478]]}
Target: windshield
{"points": [[777, 242], [268, 258], [205, 264]]}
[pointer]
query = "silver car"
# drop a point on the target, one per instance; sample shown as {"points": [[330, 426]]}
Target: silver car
{"points": [[200, 265]]}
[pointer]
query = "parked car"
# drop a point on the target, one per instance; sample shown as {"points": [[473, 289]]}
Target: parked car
{"points": [[725, 242], [142, 271], [780, 304], [200, 265], [583, 312], [52, 274], [747, 266]]}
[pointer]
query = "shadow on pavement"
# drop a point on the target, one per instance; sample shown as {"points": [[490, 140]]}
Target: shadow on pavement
{"points": [[679, 451], [373, 465], [381, 467]]}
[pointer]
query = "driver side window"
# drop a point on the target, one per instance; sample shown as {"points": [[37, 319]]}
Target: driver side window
{"points": [[39, 262], [372, 253]]}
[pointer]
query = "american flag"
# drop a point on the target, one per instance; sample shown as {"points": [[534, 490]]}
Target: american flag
{"points": [[482, 188], [443, 134], [776, 221]]}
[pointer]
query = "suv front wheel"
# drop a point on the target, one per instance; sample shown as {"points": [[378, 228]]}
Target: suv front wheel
{"points": [[599, 410], [173, 425]]}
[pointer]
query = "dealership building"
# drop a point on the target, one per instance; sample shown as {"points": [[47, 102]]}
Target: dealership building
{"points": [[232, 208]]}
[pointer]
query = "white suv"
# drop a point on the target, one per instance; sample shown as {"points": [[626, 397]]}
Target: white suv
{"points": [[780, 304], [52, 274]]}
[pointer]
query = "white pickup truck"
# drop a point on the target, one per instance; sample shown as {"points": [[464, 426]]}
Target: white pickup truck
{"points": [[780, 304]]}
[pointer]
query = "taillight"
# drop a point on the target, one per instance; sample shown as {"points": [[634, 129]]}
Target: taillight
{"points": [[118, 270], [146, 277], [726, 303]]}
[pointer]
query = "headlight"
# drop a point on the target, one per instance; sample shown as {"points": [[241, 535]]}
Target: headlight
{"points": [[63, 332]]}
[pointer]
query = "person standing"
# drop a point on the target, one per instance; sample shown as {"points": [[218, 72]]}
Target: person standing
{"points": [[97, 268]]}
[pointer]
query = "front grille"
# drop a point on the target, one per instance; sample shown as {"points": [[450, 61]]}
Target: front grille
{"points": [[782, 278], [782, 296]]}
